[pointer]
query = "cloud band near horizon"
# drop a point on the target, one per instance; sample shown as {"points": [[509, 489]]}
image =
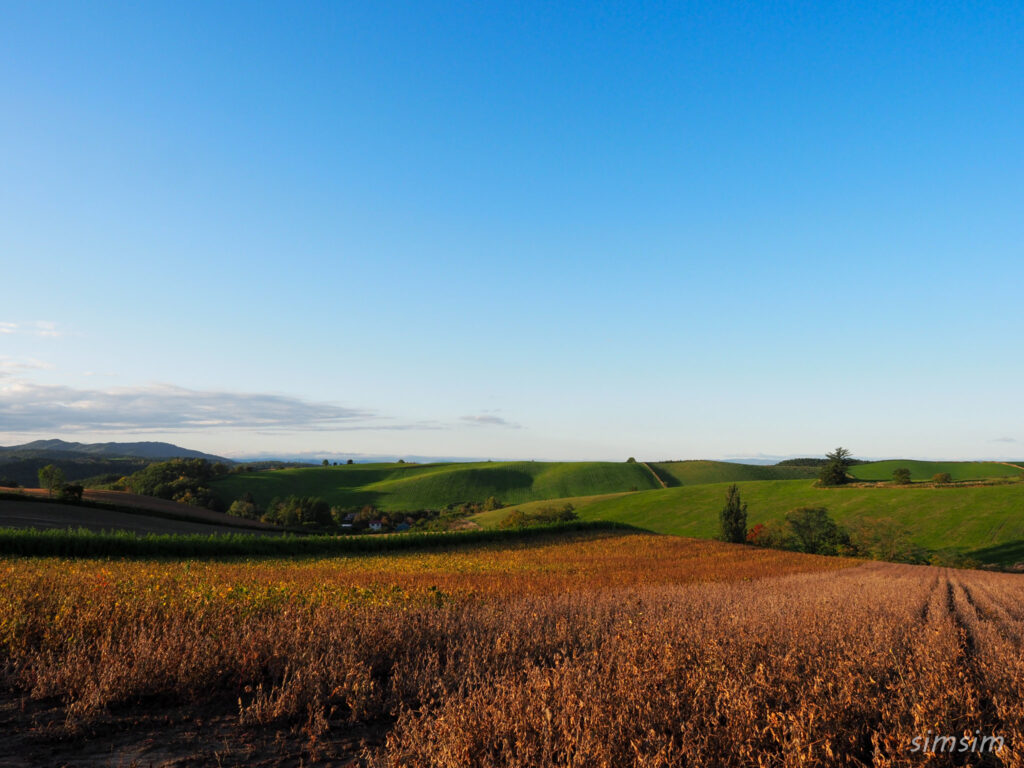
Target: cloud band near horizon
{"points": [[32, 407]]}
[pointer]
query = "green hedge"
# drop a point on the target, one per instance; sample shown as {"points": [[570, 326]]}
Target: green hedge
{"points": [[83, 543]]}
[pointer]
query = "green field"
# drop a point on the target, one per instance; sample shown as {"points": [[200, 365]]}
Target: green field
{"points": [[698, 472], [406, 487], [984, 521], [494, 517], [925, 470]]}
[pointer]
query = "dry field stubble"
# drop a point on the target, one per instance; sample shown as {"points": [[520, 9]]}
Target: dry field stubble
{"points": [[600, 651]]}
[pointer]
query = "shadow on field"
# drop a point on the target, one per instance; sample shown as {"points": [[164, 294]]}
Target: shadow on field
{"points": [[1003, 554]]}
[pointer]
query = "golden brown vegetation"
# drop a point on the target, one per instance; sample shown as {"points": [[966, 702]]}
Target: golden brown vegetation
{"points": [[601, 651]]}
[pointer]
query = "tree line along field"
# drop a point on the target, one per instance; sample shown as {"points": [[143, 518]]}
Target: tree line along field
{"points": [[604, 650]]}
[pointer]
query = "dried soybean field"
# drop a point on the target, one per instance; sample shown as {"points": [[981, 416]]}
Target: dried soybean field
{"points": [[593, 650]]}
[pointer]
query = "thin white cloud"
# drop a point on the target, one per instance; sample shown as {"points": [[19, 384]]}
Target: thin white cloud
{"points": [[44, 328], [489, 420], [31, 407], [1004, 440], [9, 366]]}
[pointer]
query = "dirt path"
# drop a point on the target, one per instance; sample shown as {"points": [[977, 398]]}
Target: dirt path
{"points": [[1008, 464], [656, 476]]}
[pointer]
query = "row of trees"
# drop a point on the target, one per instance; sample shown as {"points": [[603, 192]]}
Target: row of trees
{"points": [[313, 511], [812, 530]]}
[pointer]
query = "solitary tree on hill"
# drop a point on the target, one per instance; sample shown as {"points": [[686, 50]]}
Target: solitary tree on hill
{"points": [[51, 477], [733, 517], [834, 471]]}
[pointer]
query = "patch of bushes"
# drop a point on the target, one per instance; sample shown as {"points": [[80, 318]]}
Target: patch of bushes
{"points": [[548, 514], [71, 492], [294, 511], [182, 480], [901, 476], [245, 507], [812, 530]]}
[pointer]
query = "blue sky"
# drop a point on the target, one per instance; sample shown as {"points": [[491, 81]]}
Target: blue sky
{"points": [[514, 230]]}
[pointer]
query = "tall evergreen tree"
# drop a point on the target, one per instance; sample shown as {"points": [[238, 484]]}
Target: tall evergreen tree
{"points": [[733, 518], [834, 472]]}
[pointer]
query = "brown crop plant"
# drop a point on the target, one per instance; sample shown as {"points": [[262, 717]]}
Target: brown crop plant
{"points": [[602, 650]]}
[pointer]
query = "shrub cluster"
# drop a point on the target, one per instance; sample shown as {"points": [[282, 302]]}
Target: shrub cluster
{"points": [[183, 480], [547, 514]]}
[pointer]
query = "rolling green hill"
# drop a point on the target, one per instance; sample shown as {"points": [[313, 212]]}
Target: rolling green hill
{"points": [[698, 472], [925, 470], [398, 487], [985, 521]]}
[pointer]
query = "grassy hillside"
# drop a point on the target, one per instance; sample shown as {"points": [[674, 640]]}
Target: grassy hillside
{"points": [[697, 472], [983, 520], [925, 470], [397, 487], [676, 473], [494, 517]]}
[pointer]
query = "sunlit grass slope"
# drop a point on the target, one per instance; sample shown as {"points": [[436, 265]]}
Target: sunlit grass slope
{"points": [[964, 518], [397, 487], [925, 470]]}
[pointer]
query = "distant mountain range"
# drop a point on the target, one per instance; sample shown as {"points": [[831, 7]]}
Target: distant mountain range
{"points": [[61, 449]]}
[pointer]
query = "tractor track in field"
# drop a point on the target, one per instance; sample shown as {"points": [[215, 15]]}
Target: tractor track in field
{"points": [[657, 477], [1009, 464]]}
